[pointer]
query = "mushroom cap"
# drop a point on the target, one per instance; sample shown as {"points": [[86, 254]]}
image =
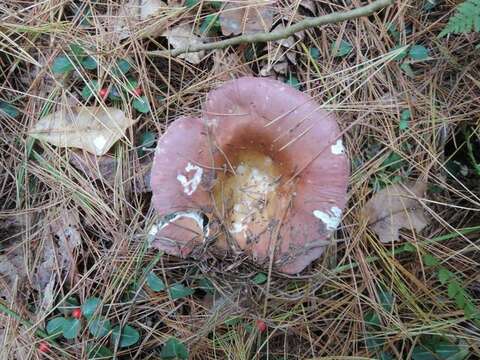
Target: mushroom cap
{"points": [[178, 176], [274, 172]]}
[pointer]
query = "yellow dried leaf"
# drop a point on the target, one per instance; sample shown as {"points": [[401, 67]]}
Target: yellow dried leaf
{"points": [[93, 129], [396, 207]]}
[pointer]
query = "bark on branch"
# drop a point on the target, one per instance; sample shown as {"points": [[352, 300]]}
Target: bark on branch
{"points": [[281, 34]]}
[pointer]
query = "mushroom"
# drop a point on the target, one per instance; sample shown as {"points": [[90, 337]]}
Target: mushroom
{"points": [[263, 172]]}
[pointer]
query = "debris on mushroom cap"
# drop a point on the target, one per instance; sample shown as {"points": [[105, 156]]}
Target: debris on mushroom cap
{"points": [[265, 162]]}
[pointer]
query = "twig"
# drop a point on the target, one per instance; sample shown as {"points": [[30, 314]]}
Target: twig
{"points": [[280, 34]]}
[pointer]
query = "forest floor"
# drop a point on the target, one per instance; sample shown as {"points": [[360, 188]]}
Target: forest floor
{"points": [[77, 278]]}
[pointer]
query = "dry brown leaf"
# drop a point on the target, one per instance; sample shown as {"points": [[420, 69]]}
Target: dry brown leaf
{"points": [[62, 239], [12, 269], [93, 129], [146, 18], [94, 167], [246, 17], [182, 36], [309, 5], [396, 207], [277, 63]]}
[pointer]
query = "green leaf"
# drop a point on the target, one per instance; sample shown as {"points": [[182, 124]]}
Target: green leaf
{"points": [[69, 304], [386, 299], [122, 67], [100, 352], [344, 48], [99, 327], [211, 23], [90, 306], [404, 119], [453, 288], [154, 282], [402, 54], [394, 33], [71, 327], [460, 299], [409, 248], [132, 84], [141, 104], [77, 51], [470, 310], [419, 52], [374, 343], [126, 337], [293, 81], [260, 278], [371, 318], [233, 321], [87, 92], [174, 349], [216, 4], [62, 65], [407, 69], [89, 63], [447, 351], [384, 355], [419, 352], [55, 326], [430, 260], [178, 291], [430, 5], [191, 3], [248, 328], [206, 285], [444, 275], [314, 53], [148, 139], [465, 19], [8, 109], [393, 161]]}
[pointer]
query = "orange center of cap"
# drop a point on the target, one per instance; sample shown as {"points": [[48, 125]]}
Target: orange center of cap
{"points": [[249, 196]]}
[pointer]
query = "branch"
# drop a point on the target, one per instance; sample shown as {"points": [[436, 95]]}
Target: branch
{"points": [[281, 34]]}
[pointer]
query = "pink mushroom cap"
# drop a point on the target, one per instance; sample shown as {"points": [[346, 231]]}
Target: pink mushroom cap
{"points": [[265, 165]]}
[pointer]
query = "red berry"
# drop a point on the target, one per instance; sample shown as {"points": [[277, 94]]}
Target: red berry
{"points": [[138, 91], [44, 347], [103, 93], [261, 326], [77, 313]]}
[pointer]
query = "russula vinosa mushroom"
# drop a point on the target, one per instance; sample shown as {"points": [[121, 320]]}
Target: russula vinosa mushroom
{"points": [[263, 172]]}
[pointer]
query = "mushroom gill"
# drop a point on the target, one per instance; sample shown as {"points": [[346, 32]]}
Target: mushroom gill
{"points": [[267, 167]]}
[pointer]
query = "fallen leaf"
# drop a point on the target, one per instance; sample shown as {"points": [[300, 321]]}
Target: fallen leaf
{"points": [[12, 270], [62, 239], [288, 42], [309, 5], [396, 207], [145, 18], [181, 36], [94, 167], [246, 17], [276, 63], [93, 129]]}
